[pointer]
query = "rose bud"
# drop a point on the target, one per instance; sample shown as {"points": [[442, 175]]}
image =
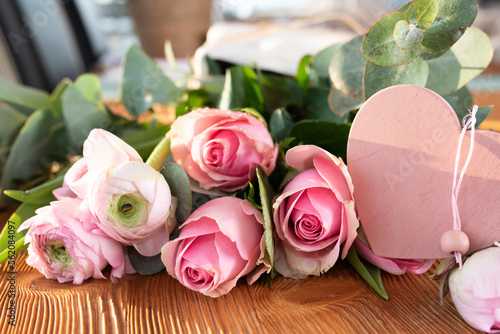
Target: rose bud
{"points": [[314, 214], [392, 266], [131, 203], [100, 149], [66, 248], [219, 243], [221, 148], [475, 290]]}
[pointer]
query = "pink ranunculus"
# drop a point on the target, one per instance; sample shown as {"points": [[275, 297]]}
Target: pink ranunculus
{"points": [[475, 290], [66, 248], [100, 149], [132, 202], [392, 266], [314, 214], [219, 243], [221, 148]]}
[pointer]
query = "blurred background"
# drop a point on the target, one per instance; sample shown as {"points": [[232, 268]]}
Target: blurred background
{"points": [[43, 41]]}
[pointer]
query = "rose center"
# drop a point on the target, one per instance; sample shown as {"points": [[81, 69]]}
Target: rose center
{"points": [[213, 154], [199, 277], [308, 228]]}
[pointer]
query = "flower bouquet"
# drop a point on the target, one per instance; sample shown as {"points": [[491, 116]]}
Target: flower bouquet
{"points": [[242, 176]]}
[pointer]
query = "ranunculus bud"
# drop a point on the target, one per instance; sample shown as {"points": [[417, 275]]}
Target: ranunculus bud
{"points": [[219, 243], [100, 149], [475, 290], [131, 203], [221, 148], [314, 214], [66, 248]]}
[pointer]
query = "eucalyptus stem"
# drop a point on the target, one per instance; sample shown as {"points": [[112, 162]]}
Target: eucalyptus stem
{"points": [[160, 153]]}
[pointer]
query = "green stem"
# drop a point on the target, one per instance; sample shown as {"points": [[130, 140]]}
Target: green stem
{"points": [[160, 153]]}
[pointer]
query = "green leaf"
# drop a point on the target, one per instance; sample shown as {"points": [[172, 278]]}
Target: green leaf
{"points": [[266, 195], [303, 72], [322, 59], [178, 182], [11, 124], [341, 104], [83, 110], [407, 36], [380, 77], [23, 98], [462, 63], [431, 55], [318, 107], [40, 195], [160, 153], [346, 69], [279, 91], [280, 124], [144, 83], [23, 212], [482, 114], [452, 19], [144, 141], [328, 135], [369, 272], [379, 45], [404, 9], [460, 101], [57, 94], [422, 13], [241, 90], [32, 151], [145, 265]]}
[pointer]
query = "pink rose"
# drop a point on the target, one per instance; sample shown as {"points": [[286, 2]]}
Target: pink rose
{"points": [[100, 149], [219, 243], [392, 266], [66, 248], [221, 148], [475, 290], [131, 203], [314, 214]]}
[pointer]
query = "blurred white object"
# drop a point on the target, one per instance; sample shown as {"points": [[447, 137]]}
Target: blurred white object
{"points": [[273, 47]]}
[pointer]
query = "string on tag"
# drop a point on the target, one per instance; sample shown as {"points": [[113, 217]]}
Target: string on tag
{"points": [[456, 241]]}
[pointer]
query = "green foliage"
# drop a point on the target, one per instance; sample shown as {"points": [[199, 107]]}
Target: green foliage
{"points": [[280, 124], [145, 84], [266, 195], [178, 182], [241, 90], [22, 98]]}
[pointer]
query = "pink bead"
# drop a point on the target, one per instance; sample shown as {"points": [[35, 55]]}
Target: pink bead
{"points": [[454, 241]]}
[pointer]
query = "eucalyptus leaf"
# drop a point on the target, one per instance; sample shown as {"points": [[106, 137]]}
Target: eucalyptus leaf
{"points": [[328, 135], [58, 92], [407, 36], [32, 151], [178, 182], [321, 61], [404, 9], [346, 69], [422, 13], [23, 98], [241, 90], [145, 265], [266, 195], [460, 101], [431, 55], [22, 213], [380, 77], [463, 62], [379, 45], [145, 140], [318, 108], [369, 272], [144, 83], [279, 91], [11, 124], [453, 17], [341, 104], [83, 111], [280, 124]]}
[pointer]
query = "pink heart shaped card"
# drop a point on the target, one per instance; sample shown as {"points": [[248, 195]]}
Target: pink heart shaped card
{"points": [[401, 156]]}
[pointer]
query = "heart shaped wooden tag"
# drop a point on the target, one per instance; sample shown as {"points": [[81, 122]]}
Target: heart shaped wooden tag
{"points": [[401, 156]]}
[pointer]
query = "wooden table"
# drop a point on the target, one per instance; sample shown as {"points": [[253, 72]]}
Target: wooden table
{"points": [[337, 302]]}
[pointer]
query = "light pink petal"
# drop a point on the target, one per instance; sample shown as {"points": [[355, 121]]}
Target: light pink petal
{"points": [[312, 263], [333, 175], [349, 227], [281, 264], [152, 244]]}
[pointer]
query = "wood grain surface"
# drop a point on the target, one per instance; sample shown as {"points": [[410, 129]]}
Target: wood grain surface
{"points": [[337, 302]]}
